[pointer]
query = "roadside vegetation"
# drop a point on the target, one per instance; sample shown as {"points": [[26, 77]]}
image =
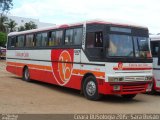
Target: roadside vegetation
{"points": [[8, 25]]}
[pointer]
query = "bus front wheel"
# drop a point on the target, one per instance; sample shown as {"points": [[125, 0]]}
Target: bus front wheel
{"points": [[90, 88], [129, 97], [26, 75]]}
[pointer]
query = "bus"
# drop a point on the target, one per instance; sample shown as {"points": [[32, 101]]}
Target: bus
{"points": [[155, 48], [2, 53], [96, 57]]}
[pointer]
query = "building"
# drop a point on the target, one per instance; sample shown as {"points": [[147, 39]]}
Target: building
{"points": [[21, 21]]}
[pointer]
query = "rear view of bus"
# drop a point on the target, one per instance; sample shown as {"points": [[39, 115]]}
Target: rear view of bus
{"points": [[155, 48], [96, 57]]}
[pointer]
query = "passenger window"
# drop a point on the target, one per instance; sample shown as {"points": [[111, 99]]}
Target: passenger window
{"points": [[44, 39], [12, 42], [30, 40], [73, 36], [77, 36], [41, 39], [38, 40], [55, 38], [94, 39], [69, 37], [20, 41]]}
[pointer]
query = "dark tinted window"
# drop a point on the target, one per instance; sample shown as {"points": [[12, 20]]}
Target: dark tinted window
{"points": [[94, 39], [30, 40], [69, 37], [73, 36], [41, 39], [56, 38], [155, 48], [12, 42], [44, 39], [77, 38], [118, 29], [20, 41]]}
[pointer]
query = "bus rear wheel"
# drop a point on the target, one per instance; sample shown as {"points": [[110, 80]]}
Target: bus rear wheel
{"points": [[90, 88], [129, 97], [26, 75]]}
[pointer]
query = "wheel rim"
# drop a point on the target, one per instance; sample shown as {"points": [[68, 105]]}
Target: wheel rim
{"points": [[91, 88], [26, 74]]}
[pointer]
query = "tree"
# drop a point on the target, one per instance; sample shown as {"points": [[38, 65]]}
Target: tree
{"points": [[11, 24], [3, 39], [3, 20], [30, 25], [21, 28], [5, 5]]}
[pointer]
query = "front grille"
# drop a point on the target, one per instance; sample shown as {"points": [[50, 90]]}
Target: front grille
{"points": [[133, 88], [133, 78]]}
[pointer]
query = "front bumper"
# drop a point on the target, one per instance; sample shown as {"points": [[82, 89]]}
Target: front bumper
{"points": [[125, 87]]}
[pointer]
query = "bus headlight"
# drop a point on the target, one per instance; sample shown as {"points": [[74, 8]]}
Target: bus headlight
{"points": [[116, 87], [148, 78], [115, 79]]}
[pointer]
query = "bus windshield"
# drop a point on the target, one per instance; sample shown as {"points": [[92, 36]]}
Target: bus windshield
{"points": [[141, 47], [128, 46], [120, 45]]}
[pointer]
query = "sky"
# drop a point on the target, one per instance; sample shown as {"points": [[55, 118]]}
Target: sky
{"points": [[142, 12]]}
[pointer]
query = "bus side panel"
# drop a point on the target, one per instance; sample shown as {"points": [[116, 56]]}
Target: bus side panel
{"points": [[156, 70], [19, 71], [11, 69], [37, 74]]}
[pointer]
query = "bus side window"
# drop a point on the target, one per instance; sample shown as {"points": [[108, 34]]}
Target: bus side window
{"points": [[94, 39], [98, 39], [20, 41], [30, 40], [73, 36], [77, 38], [69, 37], [59, 37], [44, 39], [55, 38], [13, 41], [38, 40]]}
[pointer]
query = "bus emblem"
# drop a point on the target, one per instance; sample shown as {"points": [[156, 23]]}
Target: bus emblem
{"points": [[65, 67], [120, 66]]}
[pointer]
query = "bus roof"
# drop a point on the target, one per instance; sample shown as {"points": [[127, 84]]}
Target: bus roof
{"points": [[124, 24], [155, 37]]}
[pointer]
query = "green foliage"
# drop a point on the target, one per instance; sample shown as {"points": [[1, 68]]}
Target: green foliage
{"points": [[3, 21], [28, 26], [11, 24], [21, 28], [3, 39], [5, 5]]}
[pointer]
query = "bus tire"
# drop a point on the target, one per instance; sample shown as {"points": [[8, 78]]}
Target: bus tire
{"points": [[90, 88], [26, 75], [129, 96]]}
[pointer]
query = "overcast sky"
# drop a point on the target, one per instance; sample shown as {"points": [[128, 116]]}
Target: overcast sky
{"points": [[144, 12]]}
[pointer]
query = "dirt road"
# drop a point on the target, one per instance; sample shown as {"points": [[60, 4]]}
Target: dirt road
{"points": [[17, 96]]}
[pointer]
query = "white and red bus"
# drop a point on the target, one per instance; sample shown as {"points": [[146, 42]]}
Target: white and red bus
{"points": [[2, 53], [155, 48], [96, 57]]}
